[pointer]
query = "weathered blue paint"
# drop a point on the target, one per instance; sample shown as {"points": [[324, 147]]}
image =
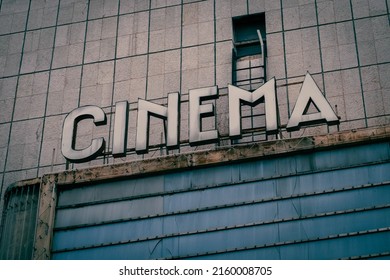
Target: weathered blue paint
{"points": [[272, 208]]}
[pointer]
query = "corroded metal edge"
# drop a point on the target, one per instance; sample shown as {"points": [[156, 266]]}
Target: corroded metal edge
{"points": [[223, 155], [45, 220], [48, 183]]}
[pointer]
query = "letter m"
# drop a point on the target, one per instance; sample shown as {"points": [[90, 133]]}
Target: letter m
{"points": [[238, 96]]}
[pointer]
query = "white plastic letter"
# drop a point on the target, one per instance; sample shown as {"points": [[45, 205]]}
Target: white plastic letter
{"points": [[69, 133], [119, 141], [237, 95], [311, 93], [198, 111]]}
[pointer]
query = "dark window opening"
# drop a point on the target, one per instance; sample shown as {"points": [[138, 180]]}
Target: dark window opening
{"points": [[249, 72], [249, 51]]}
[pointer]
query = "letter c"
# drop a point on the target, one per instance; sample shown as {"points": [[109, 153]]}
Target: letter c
{"points": [[69, 133]]}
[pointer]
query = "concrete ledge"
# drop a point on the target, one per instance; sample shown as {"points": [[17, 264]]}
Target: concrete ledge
{"points": [[219, 156], [223, 155]]}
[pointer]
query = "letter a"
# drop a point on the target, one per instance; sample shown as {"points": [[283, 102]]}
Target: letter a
{"points": [[311, 93]]}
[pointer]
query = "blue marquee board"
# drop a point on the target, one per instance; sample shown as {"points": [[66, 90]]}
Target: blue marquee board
{"points": [[326, 204]]}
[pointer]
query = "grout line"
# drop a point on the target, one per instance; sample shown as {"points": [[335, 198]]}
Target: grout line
{"points": [[99, 18], [181, 65], [107, 148], [359, 65], [218, 143], [47, 91], [83, 58], [140, 11], [329, 23], [13, 112], [148, 53], [223, 87], [215, 42], [82, 62], [320, 50], [285, 63], [285, 56], [108, 60], [147, 59]]}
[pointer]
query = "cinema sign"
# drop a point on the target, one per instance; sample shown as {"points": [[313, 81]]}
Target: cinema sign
{"points": [[310, 93]]}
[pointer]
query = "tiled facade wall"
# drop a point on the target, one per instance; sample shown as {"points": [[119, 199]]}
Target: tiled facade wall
{"points": [[58, 55]]}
